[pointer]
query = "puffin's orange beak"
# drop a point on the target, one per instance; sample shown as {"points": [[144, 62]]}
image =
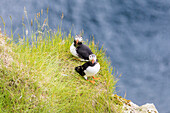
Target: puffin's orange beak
{"points": [[77, 42], [92, 61]]}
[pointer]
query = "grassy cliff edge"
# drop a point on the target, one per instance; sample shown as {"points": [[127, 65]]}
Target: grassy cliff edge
{"points": [[40, 77]]}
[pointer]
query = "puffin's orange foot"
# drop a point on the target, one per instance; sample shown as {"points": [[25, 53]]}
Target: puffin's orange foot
{"points": [[92, 81], [96, 78]]}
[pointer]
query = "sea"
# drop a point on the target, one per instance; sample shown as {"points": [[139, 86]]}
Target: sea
{"points": [[135, 34]]}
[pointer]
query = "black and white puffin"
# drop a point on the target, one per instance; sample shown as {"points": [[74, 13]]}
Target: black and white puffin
{"points": [[80, 50], [90, 68]]}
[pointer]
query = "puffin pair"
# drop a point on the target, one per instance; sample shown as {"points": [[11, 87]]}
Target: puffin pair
{"points": [[84, 53]]}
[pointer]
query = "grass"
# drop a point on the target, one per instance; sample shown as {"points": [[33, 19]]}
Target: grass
{"points": [[37, 75]]}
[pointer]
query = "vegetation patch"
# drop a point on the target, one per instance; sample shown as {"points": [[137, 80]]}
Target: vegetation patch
{"points": [[39, 75]]}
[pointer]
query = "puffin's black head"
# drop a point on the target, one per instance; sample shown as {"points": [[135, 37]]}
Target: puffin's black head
{"points": [[93, 58], [78, 40]]}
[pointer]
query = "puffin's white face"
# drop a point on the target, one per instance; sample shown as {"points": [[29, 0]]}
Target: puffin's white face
{"points": [[92, 58], [78, 39]]}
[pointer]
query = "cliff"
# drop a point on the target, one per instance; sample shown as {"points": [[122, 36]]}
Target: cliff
{"points": [[40, 77]]}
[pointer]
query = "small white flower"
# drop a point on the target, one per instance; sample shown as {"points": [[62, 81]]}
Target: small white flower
{"points": [[65, 75], [20, 97], [26, 32]]}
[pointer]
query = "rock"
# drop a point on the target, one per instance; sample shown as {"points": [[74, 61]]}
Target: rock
{"points": [[130, 107], [149, 108], [133, 108]]}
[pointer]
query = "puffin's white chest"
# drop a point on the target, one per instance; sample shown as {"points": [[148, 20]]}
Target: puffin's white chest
{"points": [[73, 50], [92, 70]]}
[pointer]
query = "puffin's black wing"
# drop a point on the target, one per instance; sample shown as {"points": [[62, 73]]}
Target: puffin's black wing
{"points": [[84, 51], [80, 69]]}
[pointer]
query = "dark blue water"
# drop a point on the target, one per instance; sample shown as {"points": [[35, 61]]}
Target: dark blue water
{"points": [[135, 33]]}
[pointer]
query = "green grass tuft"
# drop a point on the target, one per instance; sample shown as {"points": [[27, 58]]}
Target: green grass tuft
{"points": [[38, 76]]}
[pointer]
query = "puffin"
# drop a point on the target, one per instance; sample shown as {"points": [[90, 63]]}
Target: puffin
{"points": [[89, 68], [80, 50]]}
